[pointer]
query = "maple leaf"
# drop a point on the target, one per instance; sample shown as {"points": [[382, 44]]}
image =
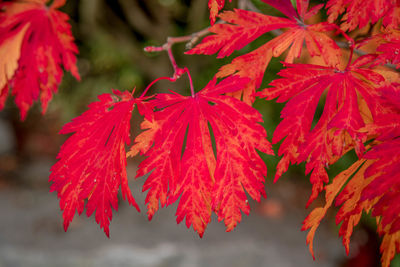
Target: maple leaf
{"points": [[358, 13], [385, 187], [386, 126], [259, 60], [371, 183], [352, 205], [35, 42], [346, 188], [204, 181], [10, 52], [242, 27], [315, 217], [215, 6], [92, 162], [392, 17], [373, 186], [337, 130], [389, 48], [246, 26]]}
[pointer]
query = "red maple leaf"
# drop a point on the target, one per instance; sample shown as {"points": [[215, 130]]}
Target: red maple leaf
{"points": [[371, 183], [349, 189], [387, 125], [204, 181], [91, 165], [375, 186], [358, 13], [350, 97], [251, 65], [389, 48], [385, 171], [245, 26], [385, 187], [35, 42], [242, 28], [392, 18]]}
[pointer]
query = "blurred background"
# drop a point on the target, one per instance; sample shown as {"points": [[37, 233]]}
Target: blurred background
{"points": [[111, 35]]}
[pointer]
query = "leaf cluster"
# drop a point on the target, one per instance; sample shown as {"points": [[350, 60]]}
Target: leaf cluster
{"points": [[203, 149]]}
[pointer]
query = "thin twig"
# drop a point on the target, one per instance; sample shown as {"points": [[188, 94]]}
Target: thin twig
{"points": [[178, 72], [196, 36]]}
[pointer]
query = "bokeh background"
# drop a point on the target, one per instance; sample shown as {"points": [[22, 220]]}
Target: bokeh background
{"points": [[111, 35]]}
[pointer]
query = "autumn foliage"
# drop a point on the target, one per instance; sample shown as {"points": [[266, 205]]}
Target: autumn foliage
{"points": [[203, 149], [36, 42]]}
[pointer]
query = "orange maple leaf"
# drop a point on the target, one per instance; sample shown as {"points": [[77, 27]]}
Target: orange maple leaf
{"points": [[370, 184], [315, 217], [389, 247], [358, 13], [215, 6], [245, 26]]}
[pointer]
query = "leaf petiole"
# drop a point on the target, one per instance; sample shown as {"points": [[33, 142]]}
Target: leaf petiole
{"points": [[178, 72]]}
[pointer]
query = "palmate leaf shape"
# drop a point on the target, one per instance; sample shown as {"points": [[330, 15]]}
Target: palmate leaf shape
{"points": [[350, 96], [92, 162], [385, 187], [204, 181], [35, 43], [358, 13], [245, 26], [352, 208], [371, 183], [379, 187], [348, 188]]}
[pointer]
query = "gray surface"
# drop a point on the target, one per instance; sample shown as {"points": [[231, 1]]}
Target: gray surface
{"points": [[31, 234], [7, 139]]}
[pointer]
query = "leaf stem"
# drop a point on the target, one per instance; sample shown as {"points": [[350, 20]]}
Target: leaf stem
{"points": [[351, 56], [350, 43], [190, 82], [178, 72], [153, 82]]}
